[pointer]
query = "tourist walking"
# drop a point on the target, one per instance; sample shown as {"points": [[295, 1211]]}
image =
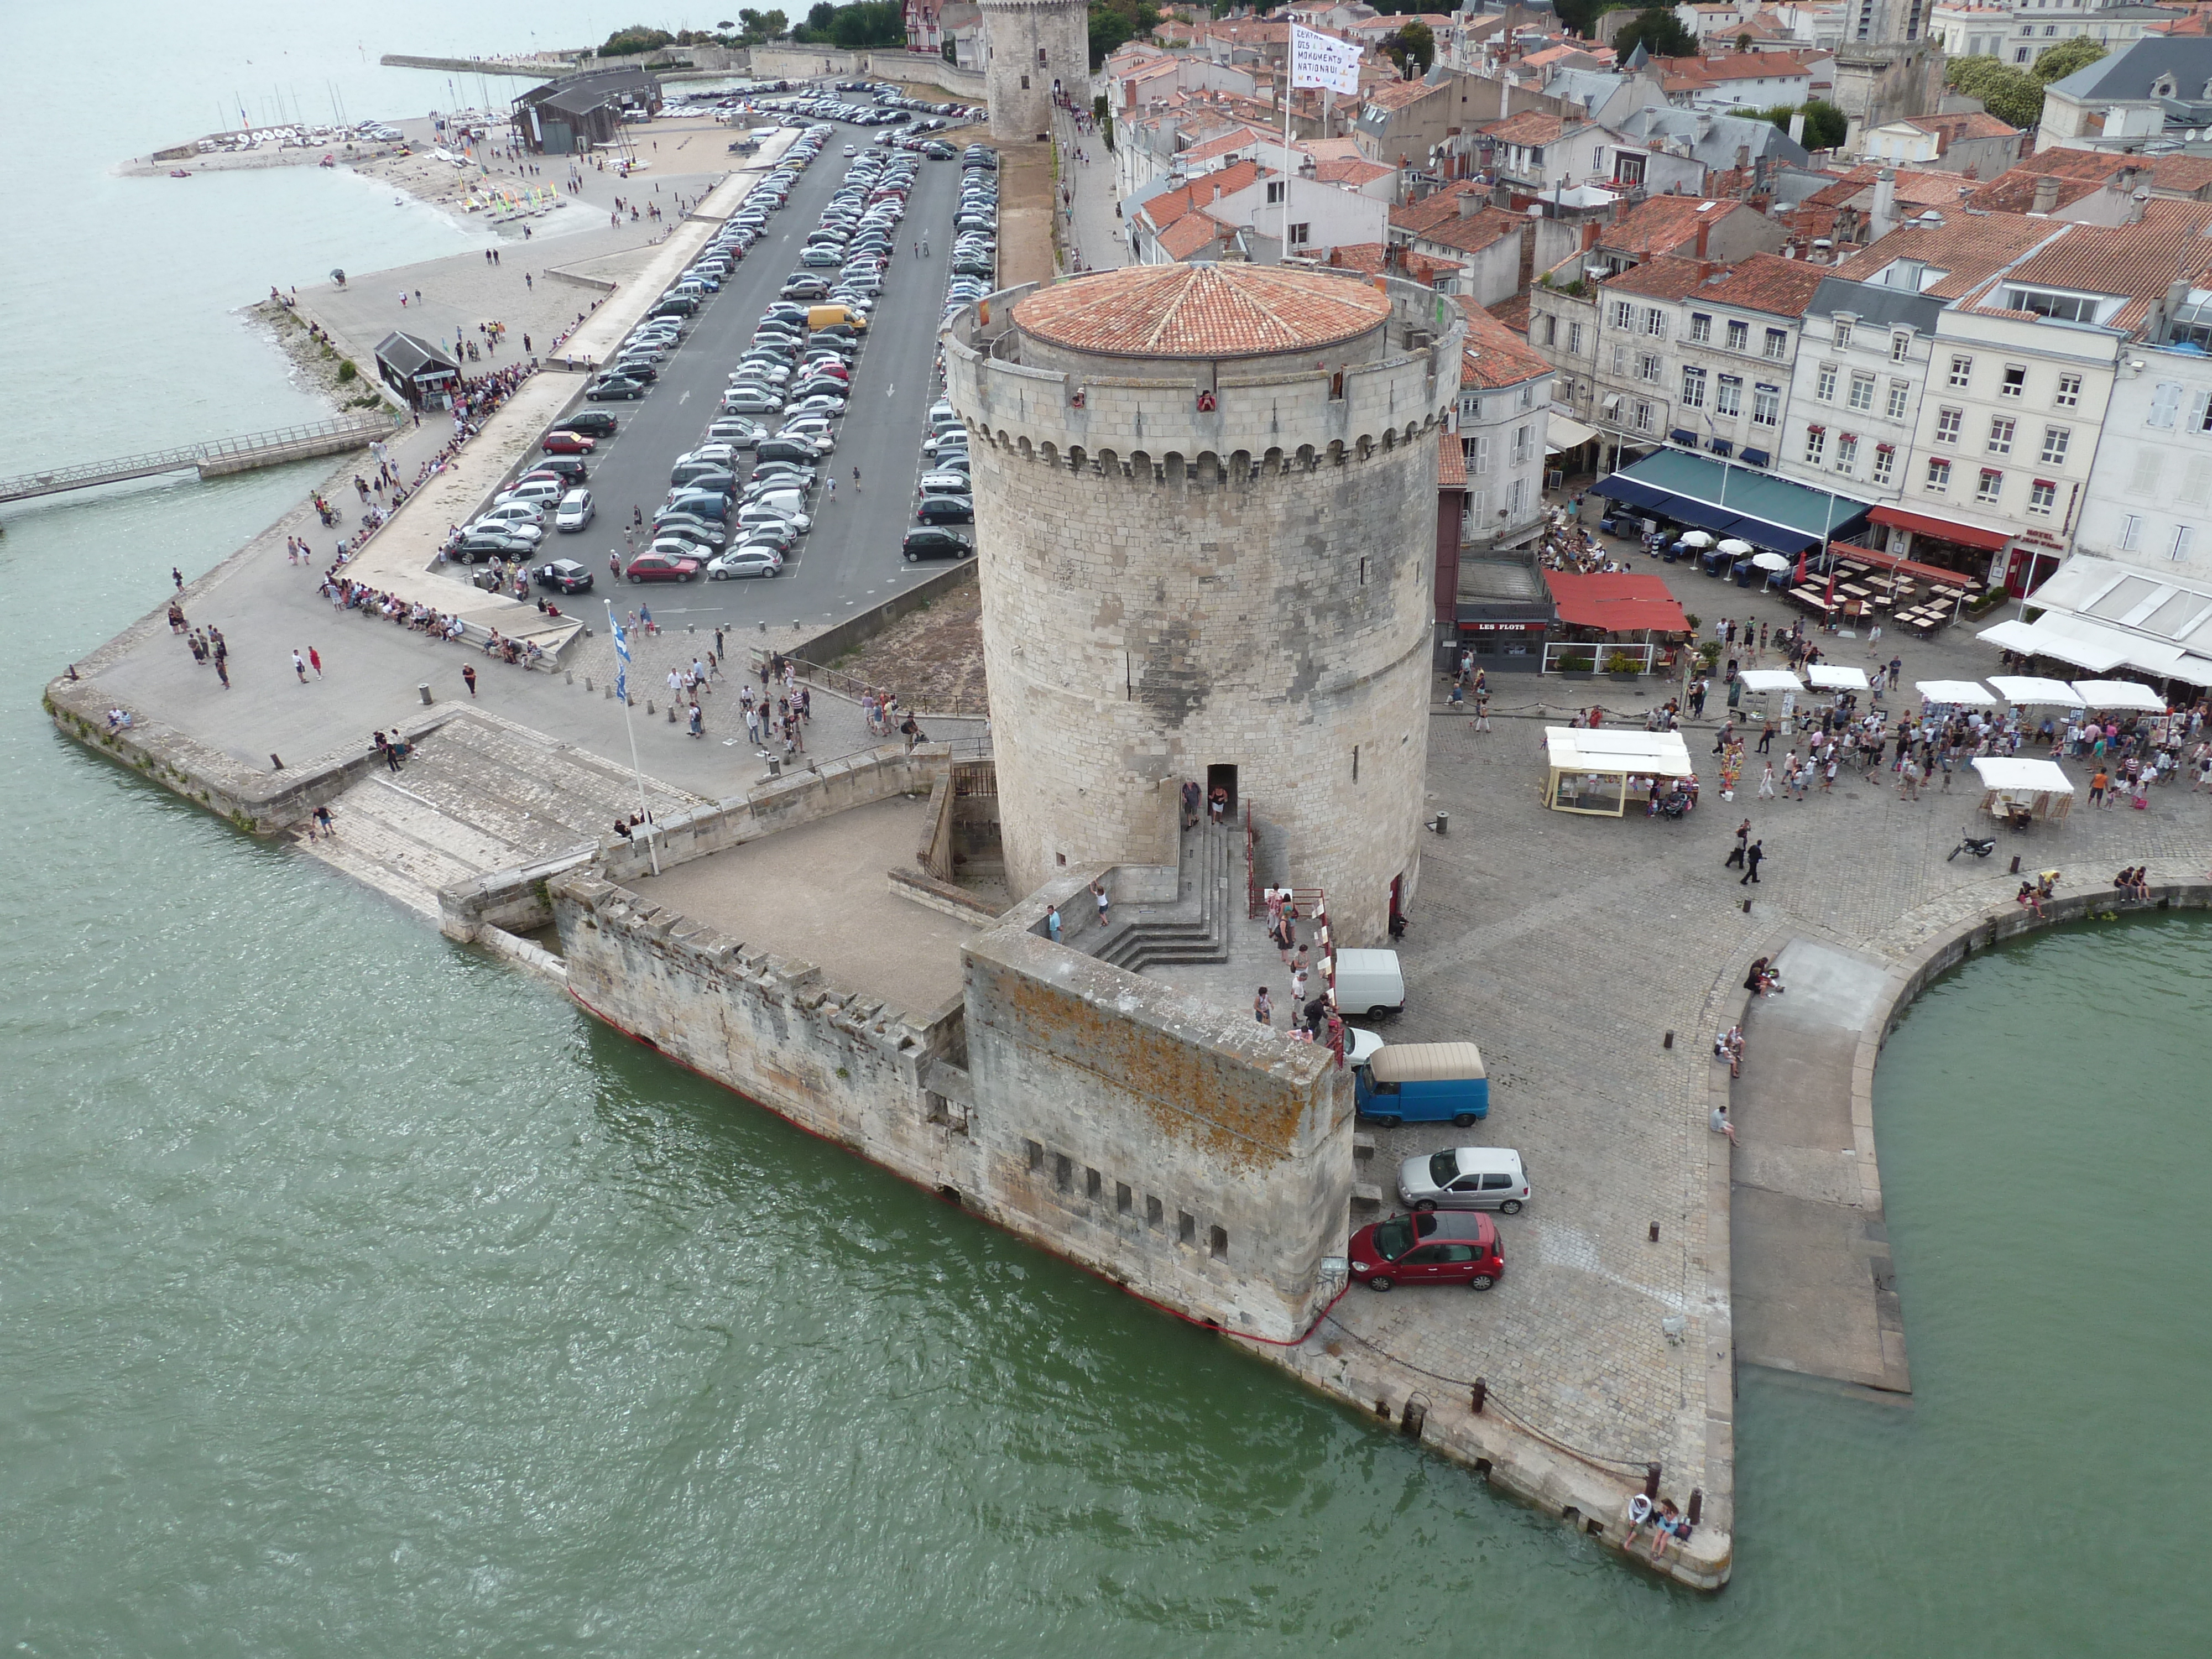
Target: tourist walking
{"points": [[315, 661], [1734, 859], [469, 674], [1752, 855], [300, 665], [1099, 892], [1052, 922]]}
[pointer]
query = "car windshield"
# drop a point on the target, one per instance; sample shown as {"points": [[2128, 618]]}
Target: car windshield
{"points": [[1443, 1169], [1393, 1238]]}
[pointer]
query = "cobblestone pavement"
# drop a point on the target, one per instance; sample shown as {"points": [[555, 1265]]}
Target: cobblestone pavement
{"points": [[1569, 947]]}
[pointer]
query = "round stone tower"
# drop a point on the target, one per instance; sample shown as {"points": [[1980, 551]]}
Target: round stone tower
{"points": [[1206, 503], [1029, 47]]}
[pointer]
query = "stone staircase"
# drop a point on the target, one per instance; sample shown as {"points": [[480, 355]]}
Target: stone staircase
{"points": [[480, 793], [1195, 927]]}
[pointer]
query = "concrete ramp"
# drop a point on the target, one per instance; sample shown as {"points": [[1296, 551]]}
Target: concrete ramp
{"points": [[1814, 1288]]}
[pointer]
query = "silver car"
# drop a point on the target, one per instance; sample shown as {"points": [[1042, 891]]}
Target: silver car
{"points": [[1465, 1178], [575, 511]]}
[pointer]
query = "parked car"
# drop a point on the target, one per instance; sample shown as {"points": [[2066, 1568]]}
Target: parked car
{"points": [[945, 509], [529, 513], [751, 560], [1440, 1247], [931, 543], [566, 443], [614, 386], [575, 511], [543, 491], [1423, 1082], [1465, 1178], [521, 530], [593, 423], [662, 568], [489, 544], [565, 576]]}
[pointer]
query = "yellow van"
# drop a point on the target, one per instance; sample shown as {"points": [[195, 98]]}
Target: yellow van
{"points": [[830, 316]]}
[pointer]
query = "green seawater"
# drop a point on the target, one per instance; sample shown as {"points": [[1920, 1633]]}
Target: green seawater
{"points": [[359, 1298]]}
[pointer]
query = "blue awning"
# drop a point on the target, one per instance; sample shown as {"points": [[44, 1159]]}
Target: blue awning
{"points": [[1755, 458], [1721, 447], [1687, 439]]}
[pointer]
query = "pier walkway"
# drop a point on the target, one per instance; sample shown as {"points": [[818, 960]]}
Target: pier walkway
{"points": [[216, 460]]}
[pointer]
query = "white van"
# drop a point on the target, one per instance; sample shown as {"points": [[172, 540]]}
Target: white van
{"points": [[1370, 983]]}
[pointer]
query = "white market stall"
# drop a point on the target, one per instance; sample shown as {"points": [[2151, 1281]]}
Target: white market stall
{"points": [[1590, 769], [2031, 691], [1953, 694], [2119, 693], [1769, 682], [1834, 677], [2021, 791]]}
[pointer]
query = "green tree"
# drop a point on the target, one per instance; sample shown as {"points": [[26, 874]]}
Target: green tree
{"points": [[1825, 126], [2056, 63], [637, 38], [775, 26], [2013, 95], [1660, 32], [871, 23], [1114, 22], [1412, 49]]}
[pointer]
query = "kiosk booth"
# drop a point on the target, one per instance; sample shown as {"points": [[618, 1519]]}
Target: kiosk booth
{"points": [[1590, 769]]}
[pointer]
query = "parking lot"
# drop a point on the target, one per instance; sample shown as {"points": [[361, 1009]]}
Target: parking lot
{"points": [[851, 556]]}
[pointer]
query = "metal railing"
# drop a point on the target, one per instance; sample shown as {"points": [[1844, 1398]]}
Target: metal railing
{"points": [[151, 462]]}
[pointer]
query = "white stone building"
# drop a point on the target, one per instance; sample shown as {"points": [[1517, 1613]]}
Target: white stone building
{"points": [[2149, 499]]}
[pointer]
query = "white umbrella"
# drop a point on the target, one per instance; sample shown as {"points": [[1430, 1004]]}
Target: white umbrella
{"points": [[1735, 549], [1767, 561], [1696, 539]]}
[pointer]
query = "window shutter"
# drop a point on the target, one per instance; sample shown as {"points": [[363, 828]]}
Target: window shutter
{"points": [[2196, 407], [2164, 403], [1481, 457], [2145, 479]]}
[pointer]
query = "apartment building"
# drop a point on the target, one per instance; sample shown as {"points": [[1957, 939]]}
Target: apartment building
{"points": [[1740, 331]]}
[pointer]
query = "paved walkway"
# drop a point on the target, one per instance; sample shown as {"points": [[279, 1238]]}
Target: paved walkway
{"points": [[1087, 226]]}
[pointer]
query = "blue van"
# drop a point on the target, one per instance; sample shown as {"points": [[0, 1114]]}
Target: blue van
{"points": [[1424, 1083]]}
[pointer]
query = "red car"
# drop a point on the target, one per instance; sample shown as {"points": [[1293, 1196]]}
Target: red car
{"points": [[660, 568], [567, 443], [1442, 1247]]}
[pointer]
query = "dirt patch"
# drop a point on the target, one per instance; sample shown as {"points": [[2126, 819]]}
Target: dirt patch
{"points": [[1026, 251], [933, 659]]}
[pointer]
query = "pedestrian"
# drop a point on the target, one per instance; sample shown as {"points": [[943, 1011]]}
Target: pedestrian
{"points": [[856, 481], [469, 673], [300, 665], [1192, 797], [1263, 1008], [178, 577], [1099, 892], [321, 821], [222, 671], [1752, 855], [2098, 784], [1734, 859], [1766, 781], [315, 661], [1052, 922]]}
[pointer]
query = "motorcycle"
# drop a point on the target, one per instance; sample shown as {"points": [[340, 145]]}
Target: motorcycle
{"points": [[1980, 846]]}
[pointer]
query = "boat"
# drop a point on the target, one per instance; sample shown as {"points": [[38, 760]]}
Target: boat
{"points": [[180, 172]]}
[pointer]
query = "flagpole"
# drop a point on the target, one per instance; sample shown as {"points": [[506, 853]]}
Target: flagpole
{"points": [[1290, 171], [622, 651]]}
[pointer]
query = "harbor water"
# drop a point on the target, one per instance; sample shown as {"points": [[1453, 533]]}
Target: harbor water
{"points": [[361, 1296]]}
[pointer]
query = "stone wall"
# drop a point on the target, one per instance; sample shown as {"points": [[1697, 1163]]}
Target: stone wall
{"points": [[1148, 1135], [1166, 589], [1159, 1138]]}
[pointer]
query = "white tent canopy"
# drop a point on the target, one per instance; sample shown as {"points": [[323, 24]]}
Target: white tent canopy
{"points": [[1967, 693], [2070, 639], [1831, 676], [1590, 769], [1770, 679], [2029, 691], [2016, 776], [2119, 693]]}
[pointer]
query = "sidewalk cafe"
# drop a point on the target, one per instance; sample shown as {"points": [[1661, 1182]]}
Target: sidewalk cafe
{"points": [[1613, 623], [1596, 772]]}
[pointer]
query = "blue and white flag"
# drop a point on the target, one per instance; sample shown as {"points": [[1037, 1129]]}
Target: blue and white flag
{"points": [[622, 660]]}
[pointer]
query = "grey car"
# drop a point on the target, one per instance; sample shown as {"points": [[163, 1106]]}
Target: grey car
{"points": [[1465, 1178]]}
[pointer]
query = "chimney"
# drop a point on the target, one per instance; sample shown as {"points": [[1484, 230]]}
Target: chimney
{"points": [[1885, 205], [2047, 195], [2137, 203], [1470, 203], [1705, 231], [1589, 235]]}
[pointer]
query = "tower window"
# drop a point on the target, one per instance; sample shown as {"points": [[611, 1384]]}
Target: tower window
{"points": [[1025, 84], [1041, 57]]}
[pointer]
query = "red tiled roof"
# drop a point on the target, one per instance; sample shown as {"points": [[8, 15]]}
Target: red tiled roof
{"points": [[1530, 126], [1351, 173], [1204, 191], [1967, 249], [1511, 314], [1493, 355], [1951, 129], [1431, 211], [1617, 603], [1189, 234], [1476, 232], [1451, 462], [1397, 94], [1769, 282], [1664, 224], [1663, 278], [2015, 191], [1201, 311], [2138, 260]]}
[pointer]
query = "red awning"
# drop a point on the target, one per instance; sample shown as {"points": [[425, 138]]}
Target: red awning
{"points": [[1942, 529], [1903, 565], [1617, 604]]}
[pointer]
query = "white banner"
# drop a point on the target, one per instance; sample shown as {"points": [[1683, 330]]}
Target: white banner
{"points": [[1320, 60]]}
